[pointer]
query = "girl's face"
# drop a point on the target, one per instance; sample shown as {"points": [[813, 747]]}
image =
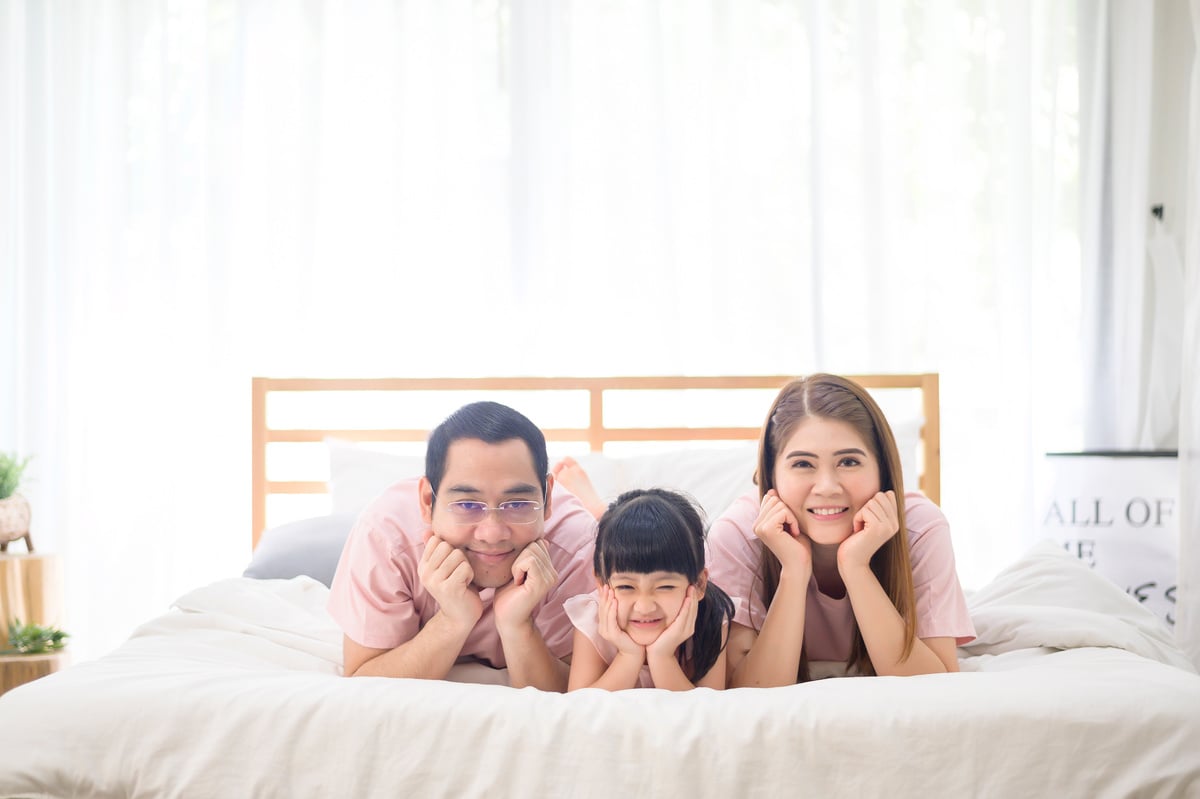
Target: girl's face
{"points": [[648, 603], [825, 474]]}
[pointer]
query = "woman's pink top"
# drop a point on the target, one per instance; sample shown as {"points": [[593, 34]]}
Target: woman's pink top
{"points": [[734, 554]]}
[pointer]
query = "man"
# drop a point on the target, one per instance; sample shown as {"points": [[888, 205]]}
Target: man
{"points": [[471, 562]]}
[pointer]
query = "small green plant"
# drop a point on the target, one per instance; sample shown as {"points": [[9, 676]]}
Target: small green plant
{"points": [[11, 469], [34, 639]]}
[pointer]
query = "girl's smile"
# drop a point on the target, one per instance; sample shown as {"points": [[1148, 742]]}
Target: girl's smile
{"points": [[647, 603]]}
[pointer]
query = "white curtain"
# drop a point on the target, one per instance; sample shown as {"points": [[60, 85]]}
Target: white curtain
{"points": [[1141, 274], [1117, 70], [1187, 626], [192, 193]]}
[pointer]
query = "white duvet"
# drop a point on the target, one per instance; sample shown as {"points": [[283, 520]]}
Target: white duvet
{"points": [[1071, 689]]}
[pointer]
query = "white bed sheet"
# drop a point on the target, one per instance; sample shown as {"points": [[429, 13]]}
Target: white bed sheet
{"points": [[1071, 689]]}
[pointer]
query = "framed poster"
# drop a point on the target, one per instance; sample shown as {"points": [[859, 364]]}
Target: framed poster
{"points": [[1116, 512]]}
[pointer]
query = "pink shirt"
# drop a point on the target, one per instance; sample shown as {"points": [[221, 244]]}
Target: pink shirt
{"points": [[378, 600], [733, 563]]}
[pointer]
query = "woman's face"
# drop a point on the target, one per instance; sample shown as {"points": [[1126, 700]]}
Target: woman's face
{"points": [[825, 473]]}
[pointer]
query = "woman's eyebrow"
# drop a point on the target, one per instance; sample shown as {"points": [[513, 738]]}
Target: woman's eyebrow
{"points": [[801, 454]]}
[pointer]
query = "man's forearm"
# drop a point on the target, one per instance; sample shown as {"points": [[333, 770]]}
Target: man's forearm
{"points": [[530, 662], [427, 656]]}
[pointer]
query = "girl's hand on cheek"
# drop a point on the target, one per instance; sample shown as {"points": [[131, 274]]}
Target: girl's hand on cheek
{"points": [[610, 627], [681, 628]]}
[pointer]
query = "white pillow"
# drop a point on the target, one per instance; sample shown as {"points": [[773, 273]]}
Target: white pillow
{"points": [[714, 478], [907, 433], [358, 474]]}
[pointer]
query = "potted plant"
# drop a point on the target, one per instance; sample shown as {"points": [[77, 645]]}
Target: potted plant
{"points": [[14, 508], [33, 652], [34, 639]]}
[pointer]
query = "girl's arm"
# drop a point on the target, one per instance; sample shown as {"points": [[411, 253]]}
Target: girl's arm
{"points": [[667, 673], [661, 655], [882, 629], [588, 669]]}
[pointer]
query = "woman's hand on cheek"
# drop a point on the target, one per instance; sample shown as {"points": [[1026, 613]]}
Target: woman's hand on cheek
{"points": [[875, 523], [777, 527], [679, 630]]}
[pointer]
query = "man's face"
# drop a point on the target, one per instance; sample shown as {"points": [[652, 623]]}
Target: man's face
{"points": [[489, 474]]}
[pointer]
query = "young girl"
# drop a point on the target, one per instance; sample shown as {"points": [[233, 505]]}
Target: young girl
{"points": [[833, 561], [655, 620]]}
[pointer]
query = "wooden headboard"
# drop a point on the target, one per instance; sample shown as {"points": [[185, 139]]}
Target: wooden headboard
{"points": [[591, 393]]}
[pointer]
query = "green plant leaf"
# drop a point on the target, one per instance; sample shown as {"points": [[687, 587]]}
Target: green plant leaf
{"points": [[34, 639], [11, 469]]}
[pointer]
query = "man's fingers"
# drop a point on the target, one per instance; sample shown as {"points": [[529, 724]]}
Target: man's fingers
{"points": [[463, 573]]}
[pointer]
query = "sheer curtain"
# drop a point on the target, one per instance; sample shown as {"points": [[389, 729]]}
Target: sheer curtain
{"points": [[1187, 628], [192, 193], [1140, 275]]}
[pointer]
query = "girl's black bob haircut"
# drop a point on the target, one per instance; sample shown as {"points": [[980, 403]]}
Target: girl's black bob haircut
{"points": [[650, 530]]}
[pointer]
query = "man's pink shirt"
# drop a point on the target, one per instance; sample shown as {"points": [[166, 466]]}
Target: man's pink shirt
{"points": [[378, 600], [733, 564]]}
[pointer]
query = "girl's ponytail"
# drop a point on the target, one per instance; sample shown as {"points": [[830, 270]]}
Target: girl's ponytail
{"points": [[713, 614]]}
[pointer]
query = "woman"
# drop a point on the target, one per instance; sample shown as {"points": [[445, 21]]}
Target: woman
{"points": [[832, 562]]}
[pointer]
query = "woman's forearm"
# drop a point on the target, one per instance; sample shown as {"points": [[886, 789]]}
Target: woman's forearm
{"points": [[882, 629], [774, 656]]}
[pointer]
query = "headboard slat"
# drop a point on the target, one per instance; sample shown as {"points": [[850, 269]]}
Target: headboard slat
{"points": [[596, 434]]}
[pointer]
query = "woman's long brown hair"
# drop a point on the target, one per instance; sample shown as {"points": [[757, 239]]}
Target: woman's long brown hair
{"points": [[831, 397]]}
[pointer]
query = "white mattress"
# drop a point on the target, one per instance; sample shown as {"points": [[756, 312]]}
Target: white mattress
{"points": [[1071, 689]]}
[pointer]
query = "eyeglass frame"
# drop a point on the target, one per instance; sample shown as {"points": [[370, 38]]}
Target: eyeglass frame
{"points": [[488, 509]]}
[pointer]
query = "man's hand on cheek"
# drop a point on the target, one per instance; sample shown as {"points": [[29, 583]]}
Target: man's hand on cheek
{"points": [[534, 576], [447, 576]]}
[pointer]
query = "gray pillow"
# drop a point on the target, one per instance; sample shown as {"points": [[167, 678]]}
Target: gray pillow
{"points": [[309, 546]]}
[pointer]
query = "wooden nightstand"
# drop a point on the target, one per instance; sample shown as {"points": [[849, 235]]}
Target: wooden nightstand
{"points": [[30, 590], [19, 669]]}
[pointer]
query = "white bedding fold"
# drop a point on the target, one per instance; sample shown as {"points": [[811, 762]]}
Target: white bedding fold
{"points": [[1052, 600], [235, 693]]}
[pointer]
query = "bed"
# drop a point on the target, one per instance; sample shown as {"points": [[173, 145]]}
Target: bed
{"points": [[1071, 688]]}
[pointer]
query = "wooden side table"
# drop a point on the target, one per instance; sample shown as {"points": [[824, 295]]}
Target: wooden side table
{"points": [[19, 669], [30, 590]]}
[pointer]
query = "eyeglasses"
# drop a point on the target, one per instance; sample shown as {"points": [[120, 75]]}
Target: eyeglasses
{"points": [[514, 511]]}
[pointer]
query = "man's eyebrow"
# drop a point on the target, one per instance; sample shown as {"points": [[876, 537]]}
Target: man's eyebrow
{"points": [[518, 489]]}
